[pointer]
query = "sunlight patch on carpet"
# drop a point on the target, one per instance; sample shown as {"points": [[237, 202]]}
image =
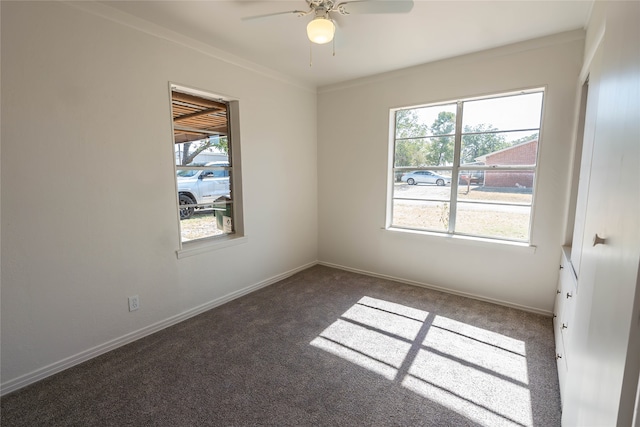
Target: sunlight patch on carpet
{"points": [[364, 347], [475, 372], [482, 356], [469, 390]]}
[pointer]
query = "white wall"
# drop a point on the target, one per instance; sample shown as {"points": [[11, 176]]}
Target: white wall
{"points": [[88, 193], [353, 140]]}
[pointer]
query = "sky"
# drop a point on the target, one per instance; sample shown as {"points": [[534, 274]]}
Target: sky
{"points": [[505, 113]]}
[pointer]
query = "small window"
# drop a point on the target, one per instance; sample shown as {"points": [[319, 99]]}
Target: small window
{"points": [[206, 151], [467, 167]]}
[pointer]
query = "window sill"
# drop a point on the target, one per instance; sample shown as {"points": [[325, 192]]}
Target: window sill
{"points": [[209, 245], [464, 240]]}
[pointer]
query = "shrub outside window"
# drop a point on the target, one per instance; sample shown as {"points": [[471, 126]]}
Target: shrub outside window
{"points": [[468, 166]]}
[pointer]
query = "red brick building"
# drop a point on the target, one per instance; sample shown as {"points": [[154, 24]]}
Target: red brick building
{"points": [[521, 154]]}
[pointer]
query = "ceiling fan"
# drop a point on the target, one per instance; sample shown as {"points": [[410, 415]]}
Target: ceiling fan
{"points": [[322, 27]]}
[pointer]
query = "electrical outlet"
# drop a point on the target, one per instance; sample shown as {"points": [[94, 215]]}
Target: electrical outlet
{"points": [[134, 303]]}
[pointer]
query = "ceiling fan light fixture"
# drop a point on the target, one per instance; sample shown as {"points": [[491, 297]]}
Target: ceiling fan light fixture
{"points": [[321, 30]]}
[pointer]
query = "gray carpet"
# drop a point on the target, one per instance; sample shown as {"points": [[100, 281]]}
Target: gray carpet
{"points": [[323, 347]]}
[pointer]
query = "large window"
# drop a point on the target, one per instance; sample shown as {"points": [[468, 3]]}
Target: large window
{"points": [[206, 151], [468, 166]]}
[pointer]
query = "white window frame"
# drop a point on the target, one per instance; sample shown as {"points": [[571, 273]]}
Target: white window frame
{"points": [[456, 168], [198, 246]]}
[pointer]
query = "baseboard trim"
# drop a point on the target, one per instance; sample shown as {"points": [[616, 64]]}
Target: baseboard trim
{"points": [[54, 368], [438, 288]]}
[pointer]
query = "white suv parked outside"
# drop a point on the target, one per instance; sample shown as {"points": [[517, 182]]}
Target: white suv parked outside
{"points": [[202, 186]]}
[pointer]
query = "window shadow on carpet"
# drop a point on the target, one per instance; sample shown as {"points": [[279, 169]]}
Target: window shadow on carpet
{"points": [[479, 374]]}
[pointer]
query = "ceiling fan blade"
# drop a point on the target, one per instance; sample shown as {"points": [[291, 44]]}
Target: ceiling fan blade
{"points": [[338, 20], [375, 6], [267, 15]]}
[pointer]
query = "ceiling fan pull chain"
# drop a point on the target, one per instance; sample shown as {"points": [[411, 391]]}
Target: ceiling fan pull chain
{"points": [[310, 54], [334, 46]]}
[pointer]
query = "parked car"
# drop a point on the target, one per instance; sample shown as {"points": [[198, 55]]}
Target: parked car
{"points": [[202, 186], [472, 177], [425, 177]]}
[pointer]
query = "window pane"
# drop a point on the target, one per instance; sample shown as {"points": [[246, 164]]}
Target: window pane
{"points": [[470, 178], [472, 185], [204, 185], [506, 148], [203, 152], [426, 177], [496, 133], [476, 193], [433, 151], [423, 191], [426, 121], [507, 222], [202, 140], [518, 181], [433, 216], [207, 221], [505, 113]]}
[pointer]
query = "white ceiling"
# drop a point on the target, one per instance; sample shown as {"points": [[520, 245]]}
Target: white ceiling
{"points": [[365, 44]]}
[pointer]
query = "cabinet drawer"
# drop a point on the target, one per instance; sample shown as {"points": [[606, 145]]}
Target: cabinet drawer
{"points": [[563, 317]]}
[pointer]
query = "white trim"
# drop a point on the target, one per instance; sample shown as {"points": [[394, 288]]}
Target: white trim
{"points": [[68, 362], [197, 247], [439, 288], [464, 239], [588, 56]]}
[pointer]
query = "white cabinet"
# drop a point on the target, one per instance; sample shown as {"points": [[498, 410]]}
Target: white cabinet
{"points": [[563, 316], [601, 342]]}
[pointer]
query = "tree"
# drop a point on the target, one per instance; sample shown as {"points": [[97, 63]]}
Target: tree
{"points": [[480, 142], [413, 149], [440, 150], [525, 139], [191, 149], [409, 151], [408, 124]]}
